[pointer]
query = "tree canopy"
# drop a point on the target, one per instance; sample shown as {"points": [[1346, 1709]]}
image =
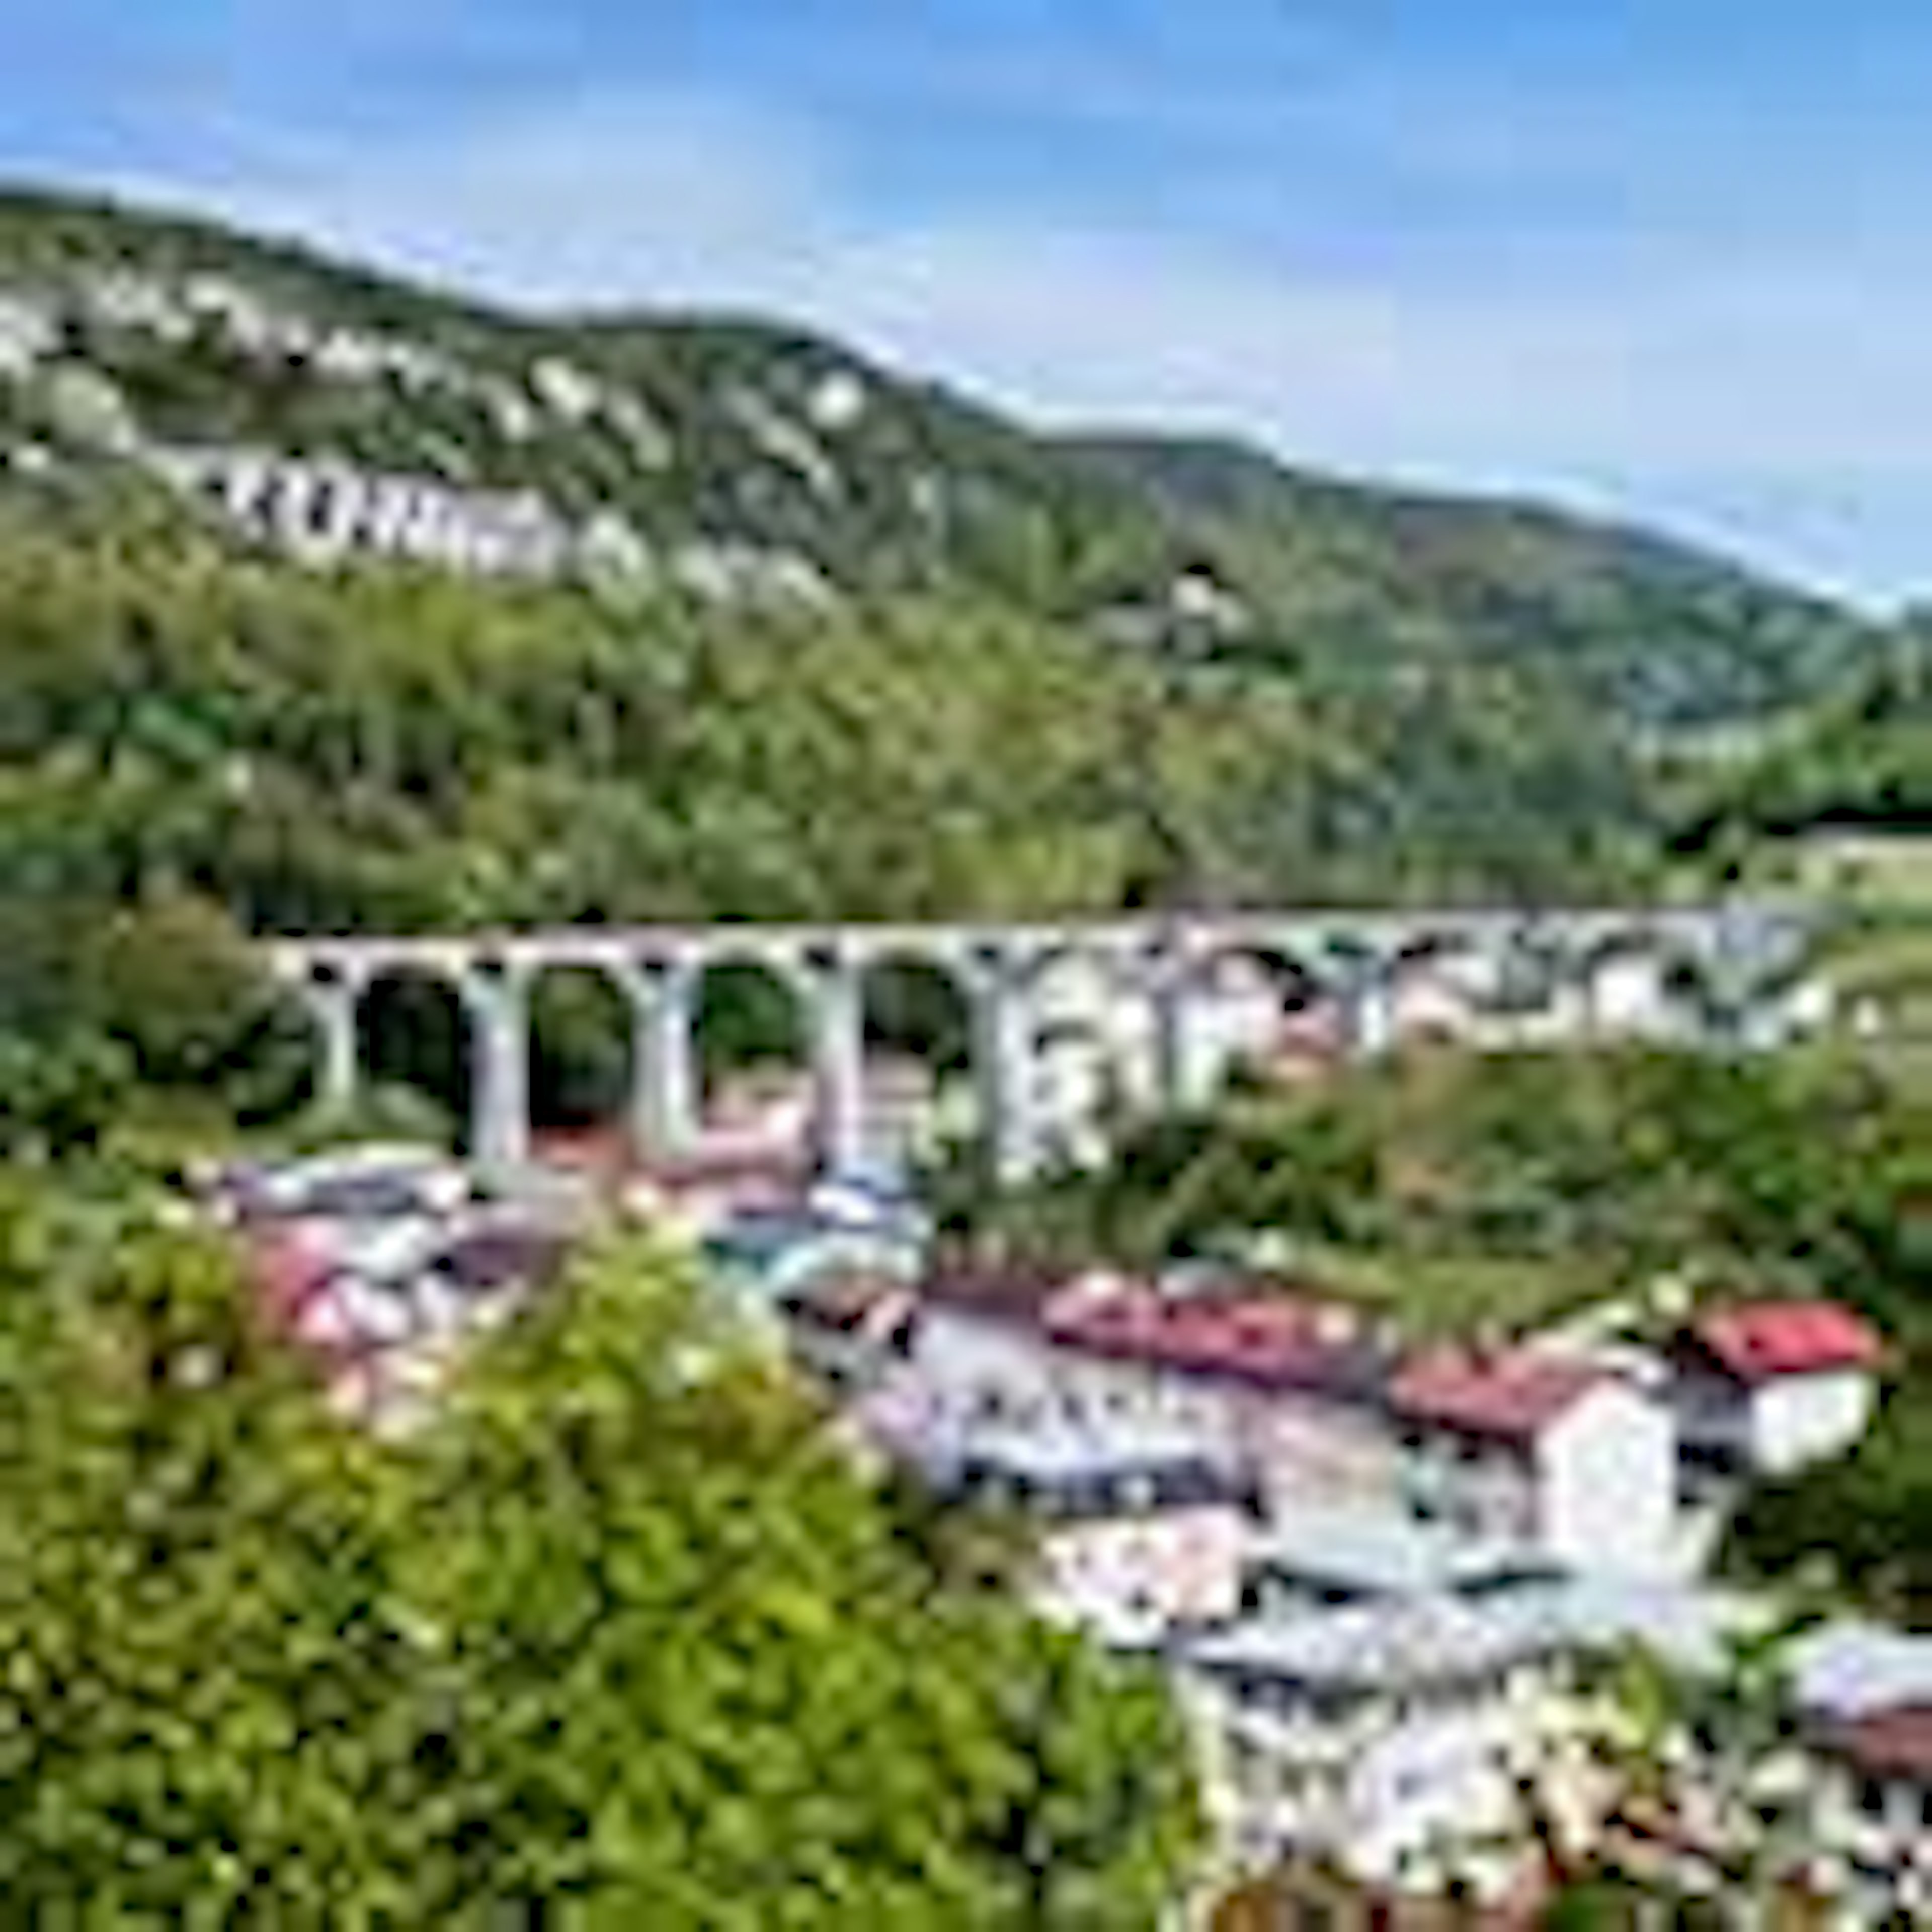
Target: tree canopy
{"points": [[615, 1634], [1462, 1187]]}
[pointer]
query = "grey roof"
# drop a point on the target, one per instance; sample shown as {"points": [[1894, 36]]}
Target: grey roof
{"points": [[1396, 1645], [1065, 1452], [1851, 1668], [1379, 1553], [1409, 1642]]}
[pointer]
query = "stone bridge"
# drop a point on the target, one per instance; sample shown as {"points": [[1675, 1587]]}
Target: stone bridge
{"points": [[1163, 969]]}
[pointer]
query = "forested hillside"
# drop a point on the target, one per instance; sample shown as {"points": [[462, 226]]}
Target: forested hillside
{"points": [[1363, 581], [1861, 758], [327, 602], [326, 411]]}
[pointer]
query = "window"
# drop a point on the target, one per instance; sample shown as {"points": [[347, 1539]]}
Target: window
{"points": [[1871, 1797], [1925, 1805]]}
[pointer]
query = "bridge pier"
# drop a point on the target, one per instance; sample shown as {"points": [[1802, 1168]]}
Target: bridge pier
{"points": [[1368, 1003], [664, 1110], [1186, 1070], [1006, 1050], [335, 1001], [837, 1016], [497, 1000], [1161, 973]]}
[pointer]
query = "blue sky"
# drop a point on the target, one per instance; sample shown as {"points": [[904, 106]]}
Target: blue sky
{"points": [[1670, 258]]}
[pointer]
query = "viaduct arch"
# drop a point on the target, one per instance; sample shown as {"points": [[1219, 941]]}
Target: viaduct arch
{"points": [[1156, 969]]}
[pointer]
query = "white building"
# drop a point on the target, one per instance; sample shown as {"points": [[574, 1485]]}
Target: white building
{"points": [[1547, 1451], [1411, 1736], [1770, 1386], [1322, 1409], [1139, 1534]]}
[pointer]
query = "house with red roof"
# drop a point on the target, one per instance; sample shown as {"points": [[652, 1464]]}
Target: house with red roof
{"points": [[1769, 1387], [1287, 1384], [1319, 1406], [1521, 1444]]}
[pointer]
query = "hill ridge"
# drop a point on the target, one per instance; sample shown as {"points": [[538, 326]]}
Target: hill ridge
{"points": [[332, 411]]}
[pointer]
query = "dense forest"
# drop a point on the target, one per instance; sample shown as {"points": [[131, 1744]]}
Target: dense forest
{"points": [[1860, 759]]}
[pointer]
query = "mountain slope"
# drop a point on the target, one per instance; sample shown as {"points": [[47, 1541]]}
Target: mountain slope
{"points": [[1356, 576], [330, 411]]}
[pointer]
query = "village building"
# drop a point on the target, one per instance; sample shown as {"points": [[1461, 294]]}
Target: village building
{"points": [[1139, 1534], [1416, 1739], [1545, 1451], [849, 1329], [1317, 1559], [1871, 1803], [1769, 1387], [1322, 1407]]}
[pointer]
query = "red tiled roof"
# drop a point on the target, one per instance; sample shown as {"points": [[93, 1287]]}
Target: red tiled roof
{"points": [[1895, 1743], [1273, 1342], [1757, 1341], [1510, 1397]]}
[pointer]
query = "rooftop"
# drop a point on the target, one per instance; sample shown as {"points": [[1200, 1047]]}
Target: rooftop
{"points": [[1066, 1453], [1851, 1668], [1274, 1342], [1895, 1742], [1376, 1552], [850, 1302], [1013, 1292], [1759, 1341], [1372, 1648], [1406, 1642], [1510, 1396]]}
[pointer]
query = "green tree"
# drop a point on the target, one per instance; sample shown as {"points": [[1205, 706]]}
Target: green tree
{"points": [[613, 1634]]}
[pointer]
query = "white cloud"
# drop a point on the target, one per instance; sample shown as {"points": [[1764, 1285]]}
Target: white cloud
{"points": [[1695, 380]]}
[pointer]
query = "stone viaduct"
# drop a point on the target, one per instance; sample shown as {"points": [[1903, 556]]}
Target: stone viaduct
{"points": [[1352, 962]]}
